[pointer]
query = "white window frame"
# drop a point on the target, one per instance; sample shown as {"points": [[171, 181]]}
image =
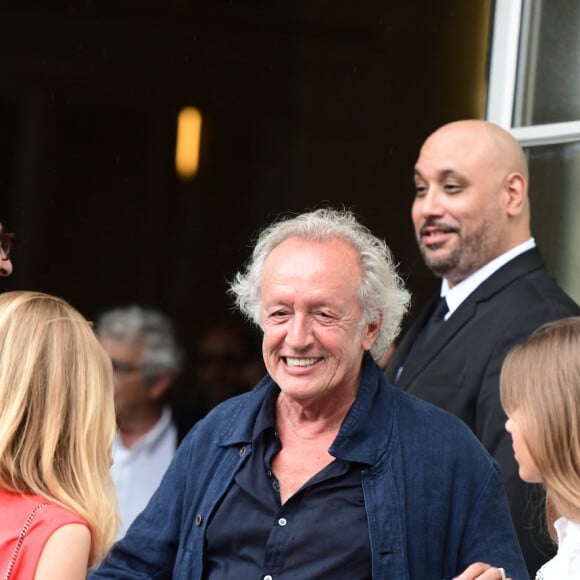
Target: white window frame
{"points": [[508, 29]]}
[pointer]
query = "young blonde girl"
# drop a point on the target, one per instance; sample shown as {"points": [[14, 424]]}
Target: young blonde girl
{"points": [[57, 426], [540, 393]]}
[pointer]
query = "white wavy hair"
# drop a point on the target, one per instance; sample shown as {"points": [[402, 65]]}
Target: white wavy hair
{"points": [[382, 293], [160, 352]]}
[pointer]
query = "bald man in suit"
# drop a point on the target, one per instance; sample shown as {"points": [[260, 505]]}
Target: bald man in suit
{"points": [[471, 215]]}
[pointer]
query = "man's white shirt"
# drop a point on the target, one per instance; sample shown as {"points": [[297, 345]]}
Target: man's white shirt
{"points": [[458, 294], [137, 471]]}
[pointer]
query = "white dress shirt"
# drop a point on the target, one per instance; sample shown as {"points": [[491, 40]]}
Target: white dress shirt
{"points": [[137, 471], [456, 295], [565, 565], [460, 292]]}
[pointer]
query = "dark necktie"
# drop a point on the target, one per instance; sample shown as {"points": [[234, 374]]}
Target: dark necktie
{"points": [[434, 322], [432, 325]]}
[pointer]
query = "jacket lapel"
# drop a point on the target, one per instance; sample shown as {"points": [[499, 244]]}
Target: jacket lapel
{"points": [[505, 276]]}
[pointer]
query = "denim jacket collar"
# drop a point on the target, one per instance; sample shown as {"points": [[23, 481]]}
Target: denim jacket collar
{"points": [[358, 439]]}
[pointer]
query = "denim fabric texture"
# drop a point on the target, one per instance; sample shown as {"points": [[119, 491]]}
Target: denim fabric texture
{"points": [[434, 497]]}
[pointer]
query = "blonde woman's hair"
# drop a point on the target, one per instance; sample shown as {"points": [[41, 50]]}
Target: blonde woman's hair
{"points": [[57, 419], [540, 379]]}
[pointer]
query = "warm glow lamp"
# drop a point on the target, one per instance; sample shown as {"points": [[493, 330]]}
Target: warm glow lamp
{"points": [[188, 140]]}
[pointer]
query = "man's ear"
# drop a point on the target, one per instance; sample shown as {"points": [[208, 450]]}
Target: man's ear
{"points": [[517, 193], [371, 332], [160, 385]]}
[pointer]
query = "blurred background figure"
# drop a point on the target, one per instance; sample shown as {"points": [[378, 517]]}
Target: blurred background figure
{"points": [[57, 423], [228, 362], [146, 361], [5, 252]]}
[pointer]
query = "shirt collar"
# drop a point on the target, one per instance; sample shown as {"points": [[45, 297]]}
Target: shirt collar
{"points": [[153, 435], [366, 428], [566, 528], [355, 441], [265, 418], [455, 296]]}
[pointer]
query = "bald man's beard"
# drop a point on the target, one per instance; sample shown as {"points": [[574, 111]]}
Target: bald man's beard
{"points": [[466, 254]]}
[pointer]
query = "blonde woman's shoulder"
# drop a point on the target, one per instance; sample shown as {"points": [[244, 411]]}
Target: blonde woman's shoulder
{"points": [[65, 554]]}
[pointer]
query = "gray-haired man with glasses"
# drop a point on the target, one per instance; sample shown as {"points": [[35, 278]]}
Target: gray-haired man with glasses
{"points": [[146, 360]]}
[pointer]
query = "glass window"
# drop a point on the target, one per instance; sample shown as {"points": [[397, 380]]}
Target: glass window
{"points": [[548, 83], [555, 203], [534, 92]]}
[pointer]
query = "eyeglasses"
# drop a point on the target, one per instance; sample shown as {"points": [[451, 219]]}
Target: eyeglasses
{"points": [[6, 245], [123, 368]]}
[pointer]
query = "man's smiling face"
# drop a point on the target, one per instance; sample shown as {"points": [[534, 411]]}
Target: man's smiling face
{"points": [[313, 337], [460, 223]]}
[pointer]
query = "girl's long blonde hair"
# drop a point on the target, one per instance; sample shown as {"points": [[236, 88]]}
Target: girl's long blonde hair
{"points": [[540, 379], [57, 420]]}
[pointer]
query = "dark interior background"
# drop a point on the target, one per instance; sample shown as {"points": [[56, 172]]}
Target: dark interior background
{"points": [[304, 103]]}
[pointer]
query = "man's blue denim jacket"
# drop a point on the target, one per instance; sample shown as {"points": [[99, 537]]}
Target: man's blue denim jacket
{"points": [[434, 498]]}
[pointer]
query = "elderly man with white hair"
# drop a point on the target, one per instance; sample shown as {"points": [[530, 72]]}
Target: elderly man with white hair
{"points": [[323, 470]]}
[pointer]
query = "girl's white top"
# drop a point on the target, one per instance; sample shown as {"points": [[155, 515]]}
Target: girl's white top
{"points": [[565, 565]]}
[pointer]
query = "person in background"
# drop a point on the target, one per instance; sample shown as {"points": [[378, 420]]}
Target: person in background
{"points": [[146, 361], [57, 423], [471, 215], [540, 392], [323, 470], [5, 252], [228, 362]]}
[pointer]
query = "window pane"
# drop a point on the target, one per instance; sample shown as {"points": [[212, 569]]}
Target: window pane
{"points": [[555, 201], [548, 87]]}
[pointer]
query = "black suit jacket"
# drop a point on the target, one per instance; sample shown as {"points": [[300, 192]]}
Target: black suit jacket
{"points": [[460, 371]]}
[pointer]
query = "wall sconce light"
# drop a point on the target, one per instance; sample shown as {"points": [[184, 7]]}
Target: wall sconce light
{"points": [[187, 144]]}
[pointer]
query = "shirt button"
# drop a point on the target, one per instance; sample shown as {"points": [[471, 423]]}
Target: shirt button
{"points": [[198, 520], [282, 521], [267, 577], [243, 451]]}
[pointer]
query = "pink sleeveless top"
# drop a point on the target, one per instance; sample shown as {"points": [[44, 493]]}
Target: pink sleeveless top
{"points": [[14, 512]]}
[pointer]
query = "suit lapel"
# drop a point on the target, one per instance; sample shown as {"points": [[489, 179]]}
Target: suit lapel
{"points": [[443, 336], [505, 276], [407, 342]]}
